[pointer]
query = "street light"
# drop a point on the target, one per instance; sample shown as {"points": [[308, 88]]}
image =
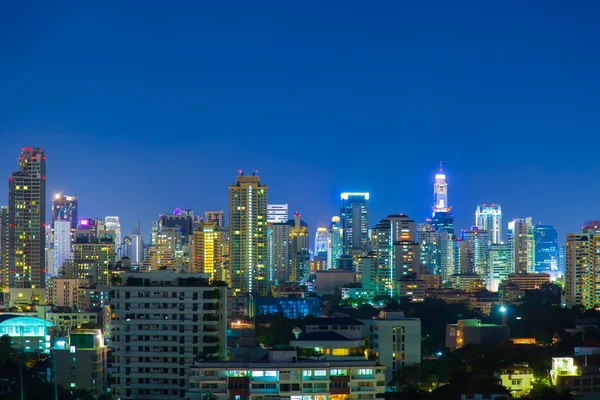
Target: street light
{"points": [[504, 317]]}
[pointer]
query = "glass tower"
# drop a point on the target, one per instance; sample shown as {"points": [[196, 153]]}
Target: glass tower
{"points": [[546, 249], [355, 222]]}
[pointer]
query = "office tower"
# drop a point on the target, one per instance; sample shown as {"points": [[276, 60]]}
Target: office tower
{"points": [[279, 251], [93, 253], [218, 217], [334, 243], [355, 222], [277, 213], [4, 248], [181, 220], [440, 193], [82, 358], [164, 321], [248, 235], [62, 243], [522, 245], [169, 240], [26, 221], [113, 224], [500, 264], [546, 249], [321, 241], [479, 246], [137, 246], [579, 275], [444, 253], [463, 257], [443, 221], [64, 208], [427, 239], [561, 260], [206, 251], [300, 258], [367, 273], [490, 218]]}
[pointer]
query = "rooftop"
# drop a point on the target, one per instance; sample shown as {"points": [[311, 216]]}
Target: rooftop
{"points": [[333, 321]]}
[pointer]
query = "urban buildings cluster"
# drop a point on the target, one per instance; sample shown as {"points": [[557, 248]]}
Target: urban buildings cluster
{"points": [[167, 307]]}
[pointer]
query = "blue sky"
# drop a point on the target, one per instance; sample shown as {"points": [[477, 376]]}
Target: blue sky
{"points": [[146, 106]]}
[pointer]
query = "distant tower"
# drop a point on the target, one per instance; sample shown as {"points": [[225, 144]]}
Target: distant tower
{"points": [[522, 245], [277, 213], [248, 235], [321, 241], [137, 246], [218, 217], [334, 243], [440, 193], [355, 222], [62, 243], [26, 221], [113, 224], [489, 218], [64, 208]]}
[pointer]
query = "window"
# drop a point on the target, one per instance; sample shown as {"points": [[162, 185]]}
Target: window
{"points": [[339, 372], [365, 371], [340, 352], [516, 382], [271, 373], [258, 373], [307, 373], [320, 372]]}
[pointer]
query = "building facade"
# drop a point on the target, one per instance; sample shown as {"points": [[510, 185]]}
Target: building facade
{"points": [[63, 240], [355, 222], [248, 235], [164, 321], [64, 208], [489, 218], [277, 213], [334, 243], [207, 257], [546, 249], [522, 245], [26, 221]]}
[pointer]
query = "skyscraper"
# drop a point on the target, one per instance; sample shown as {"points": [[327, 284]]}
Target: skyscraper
{"points": [[279, 251], [479, 244], [4, 276], [334, 243], [355, 222], [440, 193], [64, 208], [277, 213], [62, 243], [137, 246], [300, 259], [490, 218], [546, 249], [113, 224], [26, 217], [522, 245], [582, 266], [321, 241], [500, 264], [206, 251], [248, 235], [217, 217]]}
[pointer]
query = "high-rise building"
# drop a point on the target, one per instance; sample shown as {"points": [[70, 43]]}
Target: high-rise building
{"points": [[579, 275], [64, 208], [500, 264], [184, 320], [334, 243], [355, 222], [279, 251], [440, 193], [93, 259], [489, 217], [26, 221], [300, 258], [137, 246], [443, 221], [427, 239], [181, 220], [522, 245], [206, 251], [248, 235], [546, 249], [218, 217], [113, 224], [63, 240], [4, 276], [321, 241], [479, 247], [277, 213]]}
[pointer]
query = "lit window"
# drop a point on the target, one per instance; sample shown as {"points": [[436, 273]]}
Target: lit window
{"points": [[340, 352], [258, 373]]}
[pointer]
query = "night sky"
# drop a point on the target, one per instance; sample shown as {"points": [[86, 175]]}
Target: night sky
{"points": [[147, 106]]}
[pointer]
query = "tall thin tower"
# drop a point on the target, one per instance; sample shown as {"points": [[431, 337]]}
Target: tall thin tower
{"points": [[248, 235], [440, 193], [26, 217]]}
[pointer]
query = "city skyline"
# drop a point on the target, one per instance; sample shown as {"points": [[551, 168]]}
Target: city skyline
{"points": [[464, 219]]}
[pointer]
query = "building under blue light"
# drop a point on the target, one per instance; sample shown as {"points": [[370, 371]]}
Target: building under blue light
{"points": [[292, 308], [28, 334]]}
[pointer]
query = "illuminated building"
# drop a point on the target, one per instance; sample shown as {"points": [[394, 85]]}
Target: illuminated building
{"points": [[26, 221], [277, 213], [218, 217], [490, 218], [113, 224], [500, 264], [287, 307], [64, 292], [137, 246], [82, 357], [285, 372], [355, 222], [427, 239], [518, 379], [248, 235], [321, 241], [546, 249], [582, 266], [279, 251], [299, 255], [522, 245], [334, 243], [367, 273], [182, 220], [157, 257], [4, 276], [479, 244], [440, 193], [62, 244], [472, 331], [206, 250], [93, 253], [170, 242], [463, 257], [64, 208], [393, 242], [27, 334], [154, 342]]}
